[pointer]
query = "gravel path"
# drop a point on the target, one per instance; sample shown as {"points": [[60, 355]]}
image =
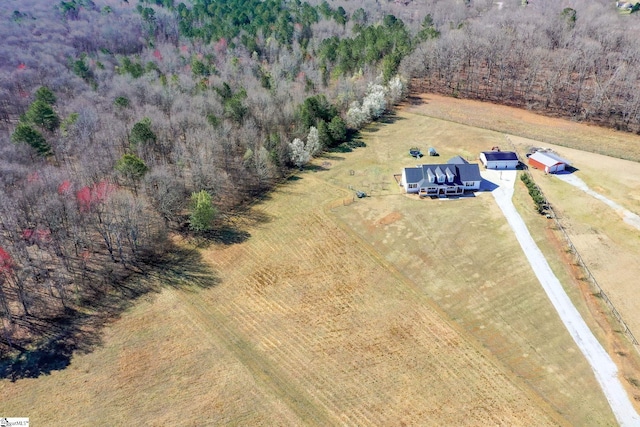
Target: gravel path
{"points": [[605, 370], [628, 216]]}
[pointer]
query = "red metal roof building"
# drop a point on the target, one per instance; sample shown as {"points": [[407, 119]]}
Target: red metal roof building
{"points": [[548, 162]]}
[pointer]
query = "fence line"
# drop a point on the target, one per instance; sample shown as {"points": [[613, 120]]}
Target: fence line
{"points": [[578, 259]]}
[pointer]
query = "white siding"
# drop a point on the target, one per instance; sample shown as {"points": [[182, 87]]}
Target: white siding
{"points": [[404, 180], [498, 164], [502, 164], [483, 159], [557, 168]]}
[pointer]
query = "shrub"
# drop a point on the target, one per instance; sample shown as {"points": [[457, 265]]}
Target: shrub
{"points": [[534, 192], [202, 211]]}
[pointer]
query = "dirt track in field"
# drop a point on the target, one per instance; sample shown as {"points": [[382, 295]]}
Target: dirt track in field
{"points": [[341, 311], [362, 343], [609, 246]]}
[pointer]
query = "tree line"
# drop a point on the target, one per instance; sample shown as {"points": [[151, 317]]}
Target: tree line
{"points": [[577, 60], [123, 124]]}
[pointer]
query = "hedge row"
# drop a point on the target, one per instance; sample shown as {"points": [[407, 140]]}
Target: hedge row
{"points": [[534, 192]]}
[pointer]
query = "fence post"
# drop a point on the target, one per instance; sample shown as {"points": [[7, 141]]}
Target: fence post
{"points": [[579, 260]]}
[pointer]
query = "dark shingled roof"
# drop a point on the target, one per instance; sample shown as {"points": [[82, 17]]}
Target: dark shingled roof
{"points": [[413, 174], [500, 155], [462, 173], [469, 172], [457, 160]]}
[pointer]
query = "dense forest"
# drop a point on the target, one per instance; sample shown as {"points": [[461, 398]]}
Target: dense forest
{"points": [[572, 59], [126, 123]]}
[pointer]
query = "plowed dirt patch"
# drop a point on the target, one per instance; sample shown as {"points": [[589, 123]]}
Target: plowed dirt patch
{"points": [[431, 317], [390, 218]]}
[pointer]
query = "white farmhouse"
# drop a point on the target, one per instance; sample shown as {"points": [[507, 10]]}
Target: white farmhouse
{"points": [[449, 179]]}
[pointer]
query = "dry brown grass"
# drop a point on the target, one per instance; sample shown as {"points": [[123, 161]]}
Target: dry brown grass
{"points": [[380, 311], [358, 339], [529, 125], [309, 325], [607, 244], [462, 254]]}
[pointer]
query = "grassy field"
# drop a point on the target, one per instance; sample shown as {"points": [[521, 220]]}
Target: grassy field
{"points": [[525, 124], [609, 246], [308, 325], [462, 254], [387, 310]]}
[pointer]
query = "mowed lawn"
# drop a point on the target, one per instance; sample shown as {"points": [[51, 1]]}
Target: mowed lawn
{"points": [[308, 326], [607, 244], [607, 161], [462, 254], [386, 310]]}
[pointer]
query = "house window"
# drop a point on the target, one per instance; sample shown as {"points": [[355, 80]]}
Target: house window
{"points": [[413, 185]]}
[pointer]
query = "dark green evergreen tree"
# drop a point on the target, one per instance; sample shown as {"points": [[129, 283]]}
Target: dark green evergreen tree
{"points": [[141, 133], [45, 95], [41, 114], [26, 134], [131, 167]]}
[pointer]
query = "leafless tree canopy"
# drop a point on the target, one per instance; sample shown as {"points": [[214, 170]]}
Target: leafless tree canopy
{"points": [[571, 59], [157, 100]]}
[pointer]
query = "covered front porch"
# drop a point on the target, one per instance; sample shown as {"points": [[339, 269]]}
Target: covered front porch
{"points": [[441, 190]]}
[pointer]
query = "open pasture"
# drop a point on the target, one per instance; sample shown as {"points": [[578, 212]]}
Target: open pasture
{"points": [[386, 310], [606, 160], [606, 243], [462, 254], [308, 325], [514, 121]]}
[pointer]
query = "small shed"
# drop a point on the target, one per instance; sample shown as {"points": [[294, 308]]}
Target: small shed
{"points": [[548, 162], [496, 159], [433, 152]]}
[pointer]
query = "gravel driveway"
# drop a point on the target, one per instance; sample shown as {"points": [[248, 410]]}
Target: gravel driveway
{"points": [[628, 216], [605, 370]]}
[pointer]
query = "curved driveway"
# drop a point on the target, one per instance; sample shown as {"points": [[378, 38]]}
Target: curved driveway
{"points": [[605, 370], [628, 216]]}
